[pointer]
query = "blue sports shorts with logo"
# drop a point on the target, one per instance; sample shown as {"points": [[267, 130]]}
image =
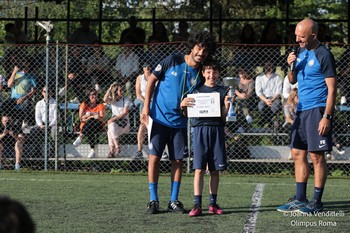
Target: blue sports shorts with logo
{"points": [[209, 148], [304, 132], [175, 138]]}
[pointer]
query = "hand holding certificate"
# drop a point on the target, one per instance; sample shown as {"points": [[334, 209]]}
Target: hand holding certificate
{"points": [[205, 105]]}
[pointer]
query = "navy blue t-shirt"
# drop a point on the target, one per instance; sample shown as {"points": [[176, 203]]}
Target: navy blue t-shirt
{"points": [[210, 121]]}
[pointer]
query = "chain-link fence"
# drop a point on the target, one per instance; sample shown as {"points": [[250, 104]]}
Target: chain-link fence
{"points": [[256, 143]]}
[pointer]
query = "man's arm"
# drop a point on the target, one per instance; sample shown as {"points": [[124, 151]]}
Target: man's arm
{"points": [[28, 95], [138, 89], [325, 124], [151, 82], [292, 74]]}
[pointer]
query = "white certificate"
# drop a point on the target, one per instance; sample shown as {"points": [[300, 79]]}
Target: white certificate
{"points": [[206, 105]]}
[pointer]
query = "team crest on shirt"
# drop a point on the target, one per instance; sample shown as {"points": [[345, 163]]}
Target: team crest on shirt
{"points": [[158, 68], [311, 62]]}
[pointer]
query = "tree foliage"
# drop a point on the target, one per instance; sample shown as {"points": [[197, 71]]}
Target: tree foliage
{"points": [[235, 13]]}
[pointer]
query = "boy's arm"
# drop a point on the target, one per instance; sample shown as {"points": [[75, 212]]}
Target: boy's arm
{"points": [[11, 81]]}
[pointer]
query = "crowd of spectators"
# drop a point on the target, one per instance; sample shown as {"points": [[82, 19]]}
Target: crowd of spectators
{"points": [[91, 71]]}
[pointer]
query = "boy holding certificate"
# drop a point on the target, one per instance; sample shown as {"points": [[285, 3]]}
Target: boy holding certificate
{"points": [[209, 141]]}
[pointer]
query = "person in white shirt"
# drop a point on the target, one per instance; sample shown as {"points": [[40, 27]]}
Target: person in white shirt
{"points": [[287, 87], [268, 87], [127, 66], [40, 114], [140, 89], [119, 123]]}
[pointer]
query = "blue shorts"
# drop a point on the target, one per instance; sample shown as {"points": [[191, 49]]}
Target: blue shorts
{"points": [[304, 132], [209, 148], [175, 138]]}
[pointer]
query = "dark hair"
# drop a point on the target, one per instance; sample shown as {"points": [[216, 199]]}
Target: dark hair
{"points": [[269, 66], [204, 38], [14, 217], [9, 26], [88, 94], [247, 40], [212, 64]]}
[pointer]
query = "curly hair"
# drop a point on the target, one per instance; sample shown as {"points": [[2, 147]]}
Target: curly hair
{"points": [[204, 38]]}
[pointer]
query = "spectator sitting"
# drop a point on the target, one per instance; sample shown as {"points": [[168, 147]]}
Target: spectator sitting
{"points": [[91, 115], [271, 36], [77, 81], [140, 89], [127, 66], [11, 137], [21, 37], [287, 87], [268, 87], [244, 94], [10, 36], [290, 107], [248, 35], [98, 67], [83, 35], [290, 38], [136, 34], [160, 32], [182, 34], [2, 80], [244, 55], [323, 35], [290, 111], [154, 53], [40, 116], [14, 217], [119, 123]]}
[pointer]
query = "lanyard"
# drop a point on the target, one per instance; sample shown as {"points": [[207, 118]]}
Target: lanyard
{"points": [[185, 81]]}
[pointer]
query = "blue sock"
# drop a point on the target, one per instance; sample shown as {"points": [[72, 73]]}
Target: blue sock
{"points": [[301, 191], [175, 188], [318, 192], [153, 191], [212, 199], [198, 200]]}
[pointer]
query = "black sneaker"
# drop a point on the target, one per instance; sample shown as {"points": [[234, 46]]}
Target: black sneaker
{"points": [[153, 207], [176, 207]]}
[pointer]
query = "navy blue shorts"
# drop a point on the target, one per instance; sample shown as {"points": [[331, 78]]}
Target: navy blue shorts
{"points": [[176, 139], [209, 148], [304, 132]]}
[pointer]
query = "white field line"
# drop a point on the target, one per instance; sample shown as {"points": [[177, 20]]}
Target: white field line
{"points": [[250, 223]]}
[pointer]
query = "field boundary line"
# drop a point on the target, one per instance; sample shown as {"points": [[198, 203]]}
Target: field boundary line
{"points": [[250, 223]]}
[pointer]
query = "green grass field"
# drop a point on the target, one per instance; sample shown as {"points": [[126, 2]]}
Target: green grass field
{"points": [[77, 202]]}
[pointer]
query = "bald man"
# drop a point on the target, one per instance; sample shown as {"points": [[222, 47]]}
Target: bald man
{"points": [[314, 70]]}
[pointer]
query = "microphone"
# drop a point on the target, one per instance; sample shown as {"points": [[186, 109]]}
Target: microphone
{"points": [[293, 64]]}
